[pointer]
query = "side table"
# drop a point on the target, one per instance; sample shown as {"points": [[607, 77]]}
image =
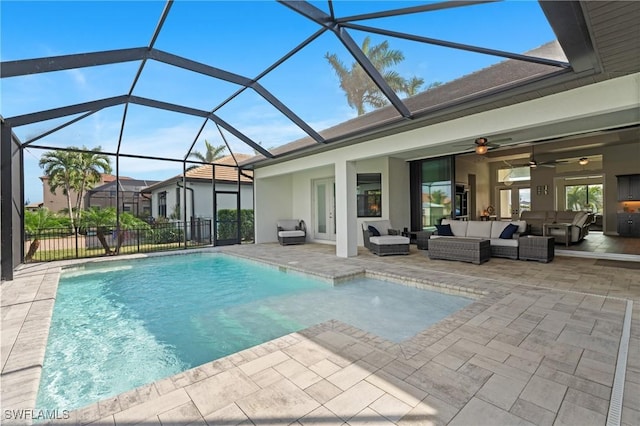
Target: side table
{"points": [[533, 247], [422, 239], [565, 228]]}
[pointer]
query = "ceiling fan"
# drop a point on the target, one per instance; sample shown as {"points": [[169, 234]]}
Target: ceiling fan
{"points": [[533, 163], [482, 145]]}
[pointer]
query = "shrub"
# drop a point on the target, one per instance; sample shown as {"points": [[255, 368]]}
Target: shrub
{"points": [[164, 233], [227, 225]]}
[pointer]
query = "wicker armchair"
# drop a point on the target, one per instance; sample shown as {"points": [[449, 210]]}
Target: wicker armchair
{"points": [[387, 242], [291, 231]]}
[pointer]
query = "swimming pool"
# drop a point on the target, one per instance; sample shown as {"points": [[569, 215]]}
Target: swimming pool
{"points": [[121, 325]]}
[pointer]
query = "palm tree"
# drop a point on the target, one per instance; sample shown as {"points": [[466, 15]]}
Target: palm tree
{"points": [[128, 222], [60, 167], [101, 219], [74, 170], [91, 164], [34, 224], [358, 86], [213, 153], [438, 197], [581, 197]]}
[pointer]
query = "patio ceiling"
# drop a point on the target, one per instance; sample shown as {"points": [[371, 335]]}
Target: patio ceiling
{"points": [[243, 101]]}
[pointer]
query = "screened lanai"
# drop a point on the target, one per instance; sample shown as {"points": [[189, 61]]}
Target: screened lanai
{"points": [[150, 82]]}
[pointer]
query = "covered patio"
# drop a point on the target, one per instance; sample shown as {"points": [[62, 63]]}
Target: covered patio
{"points": [[541, 344]]}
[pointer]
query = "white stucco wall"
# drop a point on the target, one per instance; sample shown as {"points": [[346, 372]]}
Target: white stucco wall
{"points": [[271, 196], [275, 196], [584, 103], [203, 201]]}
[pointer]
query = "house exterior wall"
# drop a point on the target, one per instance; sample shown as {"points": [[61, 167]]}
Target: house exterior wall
{"points": [[275, 196], [584, 103], [276, 203], [203, 201], [57, 201]]}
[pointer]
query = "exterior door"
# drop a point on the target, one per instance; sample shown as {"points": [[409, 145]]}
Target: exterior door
{"points": [[324, 209], [513, 201]]}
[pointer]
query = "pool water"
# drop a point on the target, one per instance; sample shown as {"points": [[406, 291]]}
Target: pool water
{"points": [[120, 326]]}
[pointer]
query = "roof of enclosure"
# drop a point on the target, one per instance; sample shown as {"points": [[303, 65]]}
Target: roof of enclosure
{"points": [[153, 80]]}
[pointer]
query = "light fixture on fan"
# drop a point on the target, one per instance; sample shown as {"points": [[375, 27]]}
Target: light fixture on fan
{"points": [[481, 146], [583, 161]]}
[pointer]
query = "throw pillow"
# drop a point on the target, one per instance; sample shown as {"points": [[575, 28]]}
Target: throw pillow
{"points": [[374, 231], [507, 233], [444, 230]]}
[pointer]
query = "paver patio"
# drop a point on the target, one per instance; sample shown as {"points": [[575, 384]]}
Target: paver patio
{"points": [[539, 345]]}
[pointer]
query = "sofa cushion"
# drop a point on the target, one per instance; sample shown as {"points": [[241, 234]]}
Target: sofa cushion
{"points": [[504, 243], [444, 230], [286, 234], [580, 218], [458, 227], [374, 231], [566, 216], [288, 224], [508, 231], [497, 227], [477, 228], [533, 214], [382, 226], [389, 240]]}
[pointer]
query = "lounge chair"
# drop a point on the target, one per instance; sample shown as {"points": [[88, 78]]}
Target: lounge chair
{"points": [[291, 231], [383, 240]]}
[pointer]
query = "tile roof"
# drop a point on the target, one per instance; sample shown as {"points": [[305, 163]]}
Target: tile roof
{"points": [[126, 184], [223, 174]]}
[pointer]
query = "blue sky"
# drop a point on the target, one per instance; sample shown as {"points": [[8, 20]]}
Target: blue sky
{"points": [[243, 37]]}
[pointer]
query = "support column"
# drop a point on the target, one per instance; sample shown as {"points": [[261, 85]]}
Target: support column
{"points": [[6, 195], [346, 209]]}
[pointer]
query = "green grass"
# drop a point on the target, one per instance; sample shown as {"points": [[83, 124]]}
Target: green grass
{"points": [[70, 253]]}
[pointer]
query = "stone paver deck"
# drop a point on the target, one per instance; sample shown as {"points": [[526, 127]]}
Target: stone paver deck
{"points": [[539, 345]]}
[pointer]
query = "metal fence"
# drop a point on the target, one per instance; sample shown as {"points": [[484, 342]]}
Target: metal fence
{"points": [[62, 243]]}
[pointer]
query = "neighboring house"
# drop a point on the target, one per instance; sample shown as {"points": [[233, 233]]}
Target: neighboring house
{"points": [[34, 206], [167, 196], [131, 199], [57, 201]]}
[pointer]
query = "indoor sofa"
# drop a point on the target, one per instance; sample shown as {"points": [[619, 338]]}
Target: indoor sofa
{"points": [[579, 221], [502, 245]]}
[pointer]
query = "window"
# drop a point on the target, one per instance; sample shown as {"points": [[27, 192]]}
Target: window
{"points": [[369, 190], [431, 198], [509, 175], [162, 204], [584, 197], [178, 198]]}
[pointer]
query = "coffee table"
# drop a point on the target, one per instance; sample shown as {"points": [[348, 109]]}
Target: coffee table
{"points": [[474, 250]]}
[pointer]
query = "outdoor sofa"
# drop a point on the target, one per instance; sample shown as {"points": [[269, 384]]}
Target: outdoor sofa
{"points": [[503, 243], [381, 239]]}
